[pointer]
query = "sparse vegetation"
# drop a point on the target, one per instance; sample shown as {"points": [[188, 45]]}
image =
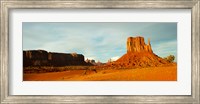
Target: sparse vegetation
{"points": [[170, 58], [44, 69]]}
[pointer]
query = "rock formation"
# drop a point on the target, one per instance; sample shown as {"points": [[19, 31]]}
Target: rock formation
{"points": [[44, 58], [137, 44], [139, 55], [90, 61]]}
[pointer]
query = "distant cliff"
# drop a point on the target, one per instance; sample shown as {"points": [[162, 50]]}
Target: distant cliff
{"points": [[44, 58]]}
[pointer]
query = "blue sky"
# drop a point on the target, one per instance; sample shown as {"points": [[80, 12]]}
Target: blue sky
{"points": [[98, 40]]}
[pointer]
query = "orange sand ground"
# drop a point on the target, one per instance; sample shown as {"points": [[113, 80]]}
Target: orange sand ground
{"points": [[143, 74]]}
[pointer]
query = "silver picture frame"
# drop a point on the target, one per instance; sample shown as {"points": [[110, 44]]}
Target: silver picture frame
{"points": [[7, 5]]}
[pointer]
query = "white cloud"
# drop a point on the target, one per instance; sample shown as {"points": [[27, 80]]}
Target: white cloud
{"points": [[90, 58], [115, 58]]}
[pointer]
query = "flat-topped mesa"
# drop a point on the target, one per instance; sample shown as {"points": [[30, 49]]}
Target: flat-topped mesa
{"points": [[137, 44], [44, 58]]}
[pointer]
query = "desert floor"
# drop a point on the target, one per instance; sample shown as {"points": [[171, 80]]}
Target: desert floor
{"points": [[143, 74]]}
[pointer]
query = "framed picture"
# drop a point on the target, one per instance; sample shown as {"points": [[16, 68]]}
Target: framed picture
{"points": [[100, 51]]}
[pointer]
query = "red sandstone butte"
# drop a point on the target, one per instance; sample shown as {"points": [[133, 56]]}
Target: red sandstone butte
{"points": [[139, 55]]}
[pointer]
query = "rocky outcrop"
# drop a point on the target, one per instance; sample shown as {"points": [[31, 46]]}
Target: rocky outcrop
{"points": [[137, 44], [44, 58]]}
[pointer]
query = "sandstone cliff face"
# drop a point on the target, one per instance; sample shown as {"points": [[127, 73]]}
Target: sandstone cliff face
{"points": [[44, 58], [137, 44]]}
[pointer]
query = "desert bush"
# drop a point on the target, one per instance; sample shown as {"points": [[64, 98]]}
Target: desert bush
{"points": [[170, 58]]}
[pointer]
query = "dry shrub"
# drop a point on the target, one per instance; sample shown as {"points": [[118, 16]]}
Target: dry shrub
{"points": [[170, 58]]}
